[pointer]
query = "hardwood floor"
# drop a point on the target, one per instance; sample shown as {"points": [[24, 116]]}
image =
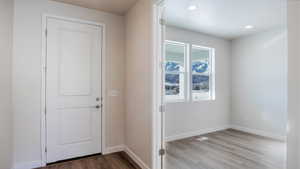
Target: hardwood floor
{"points": [[228, 149], [112, 161]]}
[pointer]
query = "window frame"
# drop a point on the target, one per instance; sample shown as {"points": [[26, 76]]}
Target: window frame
{"points": [[211, 73], [174, 99], [188, 73]]}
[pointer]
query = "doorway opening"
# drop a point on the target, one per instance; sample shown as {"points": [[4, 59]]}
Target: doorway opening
{"points": [[223, 84]]}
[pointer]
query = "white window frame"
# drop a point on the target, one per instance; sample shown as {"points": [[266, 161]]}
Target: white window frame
{"points": [[188, 74], [172, 99], [211, 74]]}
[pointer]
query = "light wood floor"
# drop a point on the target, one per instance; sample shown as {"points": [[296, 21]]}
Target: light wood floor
{"points": [[228, 149], [113, 161]]}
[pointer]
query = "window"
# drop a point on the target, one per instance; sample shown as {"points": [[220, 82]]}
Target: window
{"points": [[175, 71], [189, 73], [202, 73]]}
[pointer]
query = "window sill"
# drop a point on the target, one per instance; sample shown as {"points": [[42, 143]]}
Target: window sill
{"points": [[189, 101], [176, 101], [203, 100]]}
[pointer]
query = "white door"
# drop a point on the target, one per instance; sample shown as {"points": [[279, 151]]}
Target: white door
{"points": [[73, 89]]}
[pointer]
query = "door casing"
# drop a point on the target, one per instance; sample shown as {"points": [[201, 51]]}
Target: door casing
{"points": [[158, 91], [44, 75]]}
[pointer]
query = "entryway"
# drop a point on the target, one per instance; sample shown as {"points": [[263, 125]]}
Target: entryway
{"points": [[219, 89]]}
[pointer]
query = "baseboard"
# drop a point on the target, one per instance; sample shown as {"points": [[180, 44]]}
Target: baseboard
{"points": [[28, 165], [114, 149], [136, 158], [129, 152], [259, 132], [108, 150], [195, 133]]}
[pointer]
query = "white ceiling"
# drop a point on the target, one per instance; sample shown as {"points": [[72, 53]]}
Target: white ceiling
{"points": [[227, 18], [119, 7]]}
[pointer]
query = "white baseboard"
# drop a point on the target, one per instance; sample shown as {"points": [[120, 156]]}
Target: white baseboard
{"points": [[195, 133], [129, 152], [28, 165], [108, 150], [260, 133], [114, 149], [136, 158]]}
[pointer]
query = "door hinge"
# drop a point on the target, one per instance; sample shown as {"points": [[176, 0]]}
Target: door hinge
{"points": [[162, 65], [162, 21], [162, 108], [46, 32], [45, 69], [45, 110], [46, 149], [162, 152]]}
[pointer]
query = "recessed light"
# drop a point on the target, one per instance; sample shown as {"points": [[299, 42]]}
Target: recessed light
{"points": [[192, 7], [202, 139], [249, 27]]}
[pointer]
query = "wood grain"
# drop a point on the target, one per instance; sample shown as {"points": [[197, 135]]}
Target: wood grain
{"points": [[112, 161], [228, 149]]}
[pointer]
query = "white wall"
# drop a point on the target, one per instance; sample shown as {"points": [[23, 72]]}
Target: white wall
{"points": [[27, 74], [259, 82], [184, 119], [6, 21], [138, 81], [293, 84]]}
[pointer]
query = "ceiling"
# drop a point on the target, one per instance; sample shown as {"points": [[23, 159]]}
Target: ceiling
{"points": [[226, 18], [119, 7]]}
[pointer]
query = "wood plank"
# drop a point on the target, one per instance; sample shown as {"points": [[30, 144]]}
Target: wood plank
{"points": [[228, 149], [112, 161]]}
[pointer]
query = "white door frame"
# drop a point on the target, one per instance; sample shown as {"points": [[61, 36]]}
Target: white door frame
{"points": [[43, 82], [158, 101], [157, 119]]}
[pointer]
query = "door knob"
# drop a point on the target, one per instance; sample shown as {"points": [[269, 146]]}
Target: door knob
{"points": [[97, 107]]}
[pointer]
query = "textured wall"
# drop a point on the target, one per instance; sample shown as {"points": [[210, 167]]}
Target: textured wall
{"points": [[138, 80], [259, 82], [6, 20]]}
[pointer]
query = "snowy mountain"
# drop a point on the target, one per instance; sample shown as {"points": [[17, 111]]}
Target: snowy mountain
{"points": [[199, 67], [173, 67], [200, 82]]}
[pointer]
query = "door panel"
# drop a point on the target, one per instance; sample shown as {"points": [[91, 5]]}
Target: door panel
{"points": [[75, 62], [73, 84], [70, 119]]}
